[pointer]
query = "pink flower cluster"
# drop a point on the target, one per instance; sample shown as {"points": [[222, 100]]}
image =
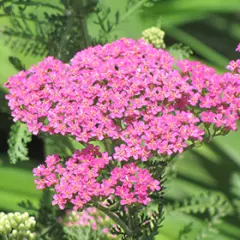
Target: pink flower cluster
{"points": [[78, 180], [132, 184], [215, 97], [130, 91]]}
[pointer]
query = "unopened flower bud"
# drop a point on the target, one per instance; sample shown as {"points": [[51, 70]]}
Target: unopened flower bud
{"points": [[18, 218], [154, 36], [8, 228], [21, 226], [21, 232], [14, 233], [32, 221], [32, 236], [2, 230]]}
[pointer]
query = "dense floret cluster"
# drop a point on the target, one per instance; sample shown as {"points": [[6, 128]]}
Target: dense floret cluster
{"points": [[78, 180], [127, 91]]}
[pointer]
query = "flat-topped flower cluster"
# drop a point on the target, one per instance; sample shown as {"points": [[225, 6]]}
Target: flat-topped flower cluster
{"points": [[78, 181], [126, 90]]}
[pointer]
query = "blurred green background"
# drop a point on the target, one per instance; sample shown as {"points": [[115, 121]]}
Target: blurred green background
{"points": [[211, 28]]}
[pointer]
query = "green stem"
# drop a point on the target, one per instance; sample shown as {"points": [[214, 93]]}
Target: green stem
{"points": [[46, 197], [131, 218], [63, 42], [77, 13], [132, 221], [130, 224], [117, 220], [79, 6]]}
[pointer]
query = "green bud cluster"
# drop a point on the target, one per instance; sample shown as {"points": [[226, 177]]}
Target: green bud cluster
{"points": [[17, 226], [154, 36]]}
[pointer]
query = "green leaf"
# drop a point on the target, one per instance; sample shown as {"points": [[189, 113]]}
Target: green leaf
{"points": [[18, 140], [205, 202]]}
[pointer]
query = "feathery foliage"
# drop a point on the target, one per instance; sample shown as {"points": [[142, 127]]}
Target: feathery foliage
{"points": [[205, 202], [18, 140], [48, 31], [215, 206], [59, 25]]}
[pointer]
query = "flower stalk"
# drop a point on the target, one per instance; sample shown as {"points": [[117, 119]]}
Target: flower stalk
{"points": [[116, 219]]}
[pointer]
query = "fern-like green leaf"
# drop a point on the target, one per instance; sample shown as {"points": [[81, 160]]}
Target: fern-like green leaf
{"points": [[18, 140], [210, 227], [215, 206], [58, 29], [205, 202]]}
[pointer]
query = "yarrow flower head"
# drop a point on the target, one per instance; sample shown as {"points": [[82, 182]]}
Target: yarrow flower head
{"points": [[130, 92], [79, 180]]}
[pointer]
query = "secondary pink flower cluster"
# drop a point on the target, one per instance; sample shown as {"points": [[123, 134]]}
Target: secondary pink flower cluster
{"points": [[126, 90], [78, 180], [90, 217], [132, 184]]}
